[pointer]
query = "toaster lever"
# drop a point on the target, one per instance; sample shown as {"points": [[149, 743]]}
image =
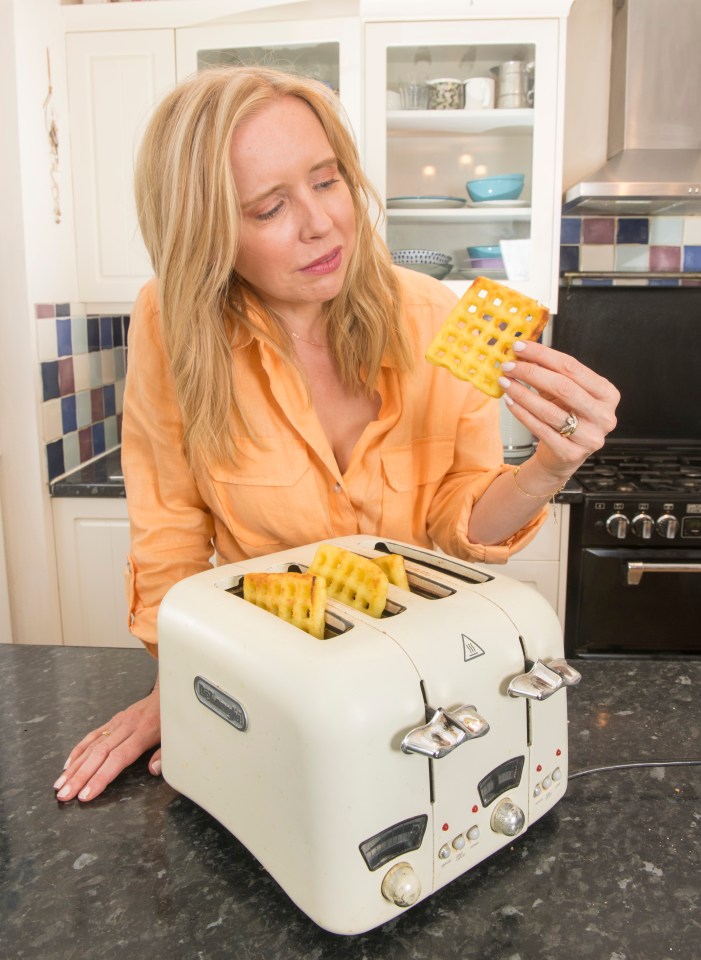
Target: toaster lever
{"points": [[444, 732], [538, 684], [570, 676]]}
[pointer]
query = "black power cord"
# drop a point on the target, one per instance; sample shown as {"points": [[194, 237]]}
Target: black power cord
{"points": [[635, 764]]}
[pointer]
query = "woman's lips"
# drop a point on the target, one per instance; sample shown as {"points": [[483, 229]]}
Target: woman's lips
{"points": [[326, 264]]}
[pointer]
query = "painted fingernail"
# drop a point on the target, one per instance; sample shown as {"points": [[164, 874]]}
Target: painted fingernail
{"points": [[84, 794], [156, 768], [62, 794], [59, 783], [509, 365], [509, 401], [520, 346], [67, 764], [503, 382]]}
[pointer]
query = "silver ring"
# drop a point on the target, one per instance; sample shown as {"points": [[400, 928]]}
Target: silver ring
{"points": [[569, 426]]}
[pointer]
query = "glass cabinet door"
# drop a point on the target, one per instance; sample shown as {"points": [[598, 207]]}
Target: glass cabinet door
{"points": [[456, 102], [328, 50]]}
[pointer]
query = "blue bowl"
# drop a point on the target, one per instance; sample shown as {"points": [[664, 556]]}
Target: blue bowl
{"points": [[507, 187], [484, 253]]}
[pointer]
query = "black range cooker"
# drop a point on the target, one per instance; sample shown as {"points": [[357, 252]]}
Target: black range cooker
{"points": [[633, 585]]}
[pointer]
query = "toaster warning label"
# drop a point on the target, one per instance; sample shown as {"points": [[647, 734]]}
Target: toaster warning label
{"points": [[470, 648]]}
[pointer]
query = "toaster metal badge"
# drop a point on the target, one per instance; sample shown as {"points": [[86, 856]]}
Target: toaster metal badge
{"points": [[367, 770]]}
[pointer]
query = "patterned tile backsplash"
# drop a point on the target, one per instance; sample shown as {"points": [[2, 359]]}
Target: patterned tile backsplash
{"points": [[591, 244], [83, 360]]}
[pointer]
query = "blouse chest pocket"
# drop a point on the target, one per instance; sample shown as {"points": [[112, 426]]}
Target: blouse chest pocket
{"points": [[268, 497], [412, 474]]}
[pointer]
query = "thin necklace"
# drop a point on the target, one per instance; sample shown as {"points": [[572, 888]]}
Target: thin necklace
{"points": [[312, 343]]}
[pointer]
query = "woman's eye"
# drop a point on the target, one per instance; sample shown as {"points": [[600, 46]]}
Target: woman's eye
{"points": [[325, 184], [269, 214]]}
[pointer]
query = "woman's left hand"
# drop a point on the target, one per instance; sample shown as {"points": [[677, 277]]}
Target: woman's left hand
{"points": [[563, 388]]}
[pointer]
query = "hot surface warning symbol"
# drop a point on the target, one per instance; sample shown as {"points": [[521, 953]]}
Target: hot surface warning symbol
{"points": [[470, 648]]}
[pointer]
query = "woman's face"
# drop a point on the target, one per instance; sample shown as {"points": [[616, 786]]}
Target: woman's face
{"points": [[298, 223]]}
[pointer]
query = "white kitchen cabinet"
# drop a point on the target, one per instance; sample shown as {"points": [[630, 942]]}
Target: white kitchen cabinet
{"points": [[421, 159], [327, 49], [92, 545], [115, 78], [543, 563]]}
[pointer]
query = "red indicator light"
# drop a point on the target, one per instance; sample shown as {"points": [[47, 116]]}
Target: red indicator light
{"points": [[475, 809], [539, 767], [558, 752], [446, 826]]}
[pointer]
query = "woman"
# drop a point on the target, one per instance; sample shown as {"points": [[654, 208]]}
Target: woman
{"points": [[277, 392]]}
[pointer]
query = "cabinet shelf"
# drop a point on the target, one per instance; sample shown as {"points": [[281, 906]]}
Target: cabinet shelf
{"points": [[464, 215], [409, 123]]}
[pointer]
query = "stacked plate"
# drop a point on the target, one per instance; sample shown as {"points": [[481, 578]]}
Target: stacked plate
{"points": [[486, 258], [431, 262]]}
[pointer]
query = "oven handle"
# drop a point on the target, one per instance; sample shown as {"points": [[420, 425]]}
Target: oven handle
{"points": [[636, 569]]}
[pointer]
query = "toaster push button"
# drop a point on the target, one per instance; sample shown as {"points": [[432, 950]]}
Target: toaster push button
{"points": [[473, 833], [444, 852], [459, 841]]}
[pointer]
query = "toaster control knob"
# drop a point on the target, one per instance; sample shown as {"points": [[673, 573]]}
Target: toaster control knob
{"points": [[667, 526], [401, 886], [617, 525], [508, 818], [642, 526]]}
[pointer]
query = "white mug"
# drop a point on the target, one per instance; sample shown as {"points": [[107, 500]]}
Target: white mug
{"points": [[479, 93]]}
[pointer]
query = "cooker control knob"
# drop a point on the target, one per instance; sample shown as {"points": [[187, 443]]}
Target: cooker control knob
{"points": [[617, 525], [507, 818], [642, 526], [401, 886], [667, 526]]}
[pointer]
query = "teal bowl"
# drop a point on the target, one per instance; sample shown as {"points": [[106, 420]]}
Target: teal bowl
{"points": [[506, 187], [484, 253]]}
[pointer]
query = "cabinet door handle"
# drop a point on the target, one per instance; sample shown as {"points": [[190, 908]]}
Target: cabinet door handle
{"points": [[636, 569]]}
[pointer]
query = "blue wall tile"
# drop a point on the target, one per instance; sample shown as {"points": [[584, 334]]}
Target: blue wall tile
{"points": [[93, 334], [692, 258], [49, 380], [571, 230], [54, 459], [633, 230], [69, 416]]}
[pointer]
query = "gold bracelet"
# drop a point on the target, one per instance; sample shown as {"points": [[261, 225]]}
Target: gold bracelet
{"points": [[535, 496]]}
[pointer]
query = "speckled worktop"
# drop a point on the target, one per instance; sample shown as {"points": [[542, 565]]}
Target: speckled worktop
{"points": [[612, 873], [103, 478]]}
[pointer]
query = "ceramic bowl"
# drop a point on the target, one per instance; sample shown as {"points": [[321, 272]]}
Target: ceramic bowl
{"points": [[486, 263], [506, 187], [436, 270], [485, 253], [406, 258]]}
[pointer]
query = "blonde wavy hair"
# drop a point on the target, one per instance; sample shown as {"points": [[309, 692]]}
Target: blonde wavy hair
{"points": [[189, 215]]}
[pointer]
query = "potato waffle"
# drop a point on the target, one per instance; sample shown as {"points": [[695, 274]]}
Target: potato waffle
{"points": [[298, 598], [393, 566], [479, 333], [352, 579]]}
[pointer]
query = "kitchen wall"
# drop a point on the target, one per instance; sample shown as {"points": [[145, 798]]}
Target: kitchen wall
{"points": [[632, 244], [83, 361]]}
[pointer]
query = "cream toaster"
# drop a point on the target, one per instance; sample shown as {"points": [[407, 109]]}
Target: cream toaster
{"points": [[367, 770]]}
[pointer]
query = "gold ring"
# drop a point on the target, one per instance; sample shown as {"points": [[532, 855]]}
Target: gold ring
{"points": [[105, 733], [569, 426]]}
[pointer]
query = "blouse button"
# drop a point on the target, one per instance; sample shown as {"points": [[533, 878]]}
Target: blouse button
{"points": [[337, 488]]}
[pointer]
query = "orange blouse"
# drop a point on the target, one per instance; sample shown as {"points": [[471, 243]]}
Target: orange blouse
{"points": [[413, 476]]}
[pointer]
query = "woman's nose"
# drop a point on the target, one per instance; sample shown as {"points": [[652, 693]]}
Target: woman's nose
{"points": [[316, 220]]}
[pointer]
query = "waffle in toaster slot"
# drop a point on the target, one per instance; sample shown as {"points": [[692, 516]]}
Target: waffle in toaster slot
{"points": [[298, 598], [351, 579]]}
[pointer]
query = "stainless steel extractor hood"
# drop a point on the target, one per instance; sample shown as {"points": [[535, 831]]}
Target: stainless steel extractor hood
{"points": [[654, 136]]}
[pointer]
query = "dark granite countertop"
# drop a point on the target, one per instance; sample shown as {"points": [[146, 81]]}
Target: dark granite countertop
{"points": [[103, 478], [611, 873]]}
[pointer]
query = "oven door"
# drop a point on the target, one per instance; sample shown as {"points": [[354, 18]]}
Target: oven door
{"points": [[634, 602]]}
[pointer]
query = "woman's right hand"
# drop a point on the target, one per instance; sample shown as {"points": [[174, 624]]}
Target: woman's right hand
{"points": [[104, 753]]}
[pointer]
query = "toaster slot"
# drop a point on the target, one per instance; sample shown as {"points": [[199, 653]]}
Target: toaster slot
{"points": [[434, 561], [335, 625]]}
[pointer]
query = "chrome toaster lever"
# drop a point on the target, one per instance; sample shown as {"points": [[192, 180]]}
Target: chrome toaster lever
{"points": [[543, 680], [444, 732], [570, 676]]}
